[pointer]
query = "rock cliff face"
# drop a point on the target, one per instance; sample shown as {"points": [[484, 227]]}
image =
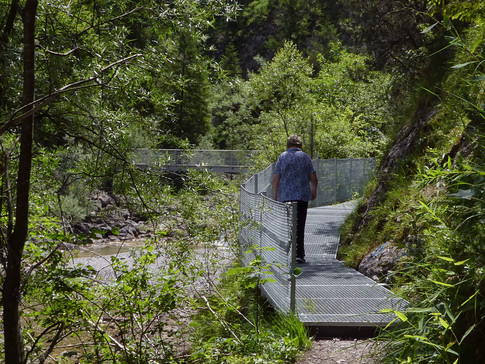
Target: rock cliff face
{"points": [[409, 141], [380, 263]]}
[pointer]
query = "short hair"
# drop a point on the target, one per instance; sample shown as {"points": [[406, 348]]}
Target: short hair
{"points": [[294, 141]]}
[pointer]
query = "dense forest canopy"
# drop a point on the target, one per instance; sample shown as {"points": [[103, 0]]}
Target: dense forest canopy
{"points": [[85, 83]]}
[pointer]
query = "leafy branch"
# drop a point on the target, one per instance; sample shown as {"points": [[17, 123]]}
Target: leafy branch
{"points": [[36, 105]]}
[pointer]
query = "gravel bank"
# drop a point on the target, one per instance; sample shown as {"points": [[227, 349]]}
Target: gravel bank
{"points": [[340, 352]]}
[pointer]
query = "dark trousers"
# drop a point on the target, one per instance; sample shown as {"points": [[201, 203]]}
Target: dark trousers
{"points": [[302, 208]]}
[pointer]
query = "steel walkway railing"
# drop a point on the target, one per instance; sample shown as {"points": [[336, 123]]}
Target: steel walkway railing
{"points": [[323, 292]]}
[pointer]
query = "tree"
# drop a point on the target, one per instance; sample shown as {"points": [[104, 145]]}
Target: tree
{"points": [[280, 101], [188, 117], [78, 93], [353, 113], [15, 240], [263, 27]]}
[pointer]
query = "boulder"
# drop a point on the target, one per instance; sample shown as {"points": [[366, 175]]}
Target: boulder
{"points": [[110, 221], [105, 199], [379, 264]]}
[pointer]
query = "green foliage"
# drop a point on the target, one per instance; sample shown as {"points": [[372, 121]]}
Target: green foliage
{"points": [[265, 26], [445, 284], [124, 308], [388, 30], [237, 326], [353, 113], [89, 67], [257, 11], [442, 276], [188, 117], [135, 303], [460, 10], [230, 63], [280, 100], [460, 110], [392, 221], [227, 98], [342, 112], [53, 303], [439, 223], [124, 316], [296, 21]]}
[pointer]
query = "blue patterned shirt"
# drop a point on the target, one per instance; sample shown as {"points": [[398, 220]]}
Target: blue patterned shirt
{"points": [[294, 168]]}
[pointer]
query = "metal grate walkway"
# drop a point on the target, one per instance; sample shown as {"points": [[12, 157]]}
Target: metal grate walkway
{"points": [[329, 293]]}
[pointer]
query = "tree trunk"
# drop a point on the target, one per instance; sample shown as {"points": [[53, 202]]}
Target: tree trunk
{"points": [[11, 297]]}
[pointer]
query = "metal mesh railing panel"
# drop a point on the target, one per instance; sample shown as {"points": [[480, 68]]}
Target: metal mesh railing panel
{"points": [[344, 180], [265, 178], [266, 233], [327, 181], [250, 226], [340, 180]]}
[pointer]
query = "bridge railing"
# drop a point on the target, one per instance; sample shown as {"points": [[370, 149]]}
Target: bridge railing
{"points": [[179, 159], [267, 235]]}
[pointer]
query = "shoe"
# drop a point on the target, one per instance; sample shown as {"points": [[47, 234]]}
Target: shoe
{"points": [[300, 260]]}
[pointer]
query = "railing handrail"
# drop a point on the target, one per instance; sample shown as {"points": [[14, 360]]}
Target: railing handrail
{"points": [[212, 159]]}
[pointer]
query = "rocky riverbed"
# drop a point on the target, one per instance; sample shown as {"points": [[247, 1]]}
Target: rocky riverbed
{"points": [[108, 221]]}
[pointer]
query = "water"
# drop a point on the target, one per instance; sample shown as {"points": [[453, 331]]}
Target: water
{"points": [[108, 249]]}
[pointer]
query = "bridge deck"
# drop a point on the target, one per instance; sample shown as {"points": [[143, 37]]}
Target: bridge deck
{"points": [[329, 294]]}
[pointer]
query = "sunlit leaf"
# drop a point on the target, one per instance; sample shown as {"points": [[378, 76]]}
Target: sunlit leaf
{"points": [[417, 337], [401, 316], [461, 65], [419, 310], [444, 323], [470, 298], [441, 283], [429, 28], [464, 194], [470, 329], [445, 258], [237, 271]]}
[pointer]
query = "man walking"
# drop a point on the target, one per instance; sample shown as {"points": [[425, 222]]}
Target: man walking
{"points": [[295, 180]]}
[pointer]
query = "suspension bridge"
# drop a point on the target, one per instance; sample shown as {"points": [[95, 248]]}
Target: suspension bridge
{"points": [[179, 160], [328, 297]]}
